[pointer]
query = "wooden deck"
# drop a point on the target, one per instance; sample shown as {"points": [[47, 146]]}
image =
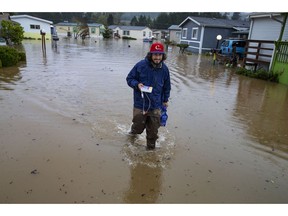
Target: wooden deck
{"points": [[258, 53]]}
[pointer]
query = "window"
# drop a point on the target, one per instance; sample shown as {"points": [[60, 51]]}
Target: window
{"points": [[144, 33], [178, 34], [225, 43], [194, 33], [240, 44], [93, 30], [34, 26], [184, 33], [126, 32]]}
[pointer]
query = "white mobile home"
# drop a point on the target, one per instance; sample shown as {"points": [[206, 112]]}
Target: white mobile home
{"points": [[33, 25], [138, 32], [174, 33]]}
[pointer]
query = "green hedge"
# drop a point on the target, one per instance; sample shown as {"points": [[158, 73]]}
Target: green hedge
{"points": [[128, 38], [259, 74], [10, 56], [22, 56]]}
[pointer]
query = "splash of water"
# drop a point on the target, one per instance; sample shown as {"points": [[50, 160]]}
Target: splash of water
{"points": [[134, 150]]}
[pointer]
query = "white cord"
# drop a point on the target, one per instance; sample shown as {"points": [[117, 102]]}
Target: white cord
{"points": [[144, 112]]}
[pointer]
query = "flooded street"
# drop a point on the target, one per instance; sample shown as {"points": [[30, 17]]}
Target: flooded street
{"points": [[65, 118]]}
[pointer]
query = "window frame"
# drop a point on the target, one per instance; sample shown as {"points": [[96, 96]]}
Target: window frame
{"points": [[184, 33], [126, 32], [34, 26], [194, 33]]}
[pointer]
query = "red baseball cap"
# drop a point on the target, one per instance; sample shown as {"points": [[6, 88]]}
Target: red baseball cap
{"points": [[157, 48]]}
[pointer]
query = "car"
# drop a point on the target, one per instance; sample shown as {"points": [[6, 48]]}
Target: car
{"points": [[2, 42], [226, 47]]}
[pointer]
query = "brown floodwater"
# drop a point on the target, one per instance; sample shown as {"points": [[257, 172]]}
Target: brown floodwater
{"points": [[65, 118]]}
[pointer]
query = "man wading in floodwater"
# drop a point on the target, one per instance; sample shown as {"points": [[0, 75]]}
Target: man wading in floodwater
{"points": [[150, 80]]}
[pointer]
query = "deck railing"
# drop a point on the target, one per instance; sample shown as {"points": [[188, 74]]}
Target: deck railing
{"points": [[258, 53]]}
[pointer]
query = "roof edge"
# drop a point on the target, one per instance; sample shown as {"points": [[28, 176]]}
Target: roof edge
{"points": [[31, 17]]}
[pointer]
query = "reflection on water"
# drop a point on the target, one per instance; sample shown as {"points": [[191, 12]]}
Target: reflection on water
{"points": [[78, 78], [9, 77], [263, 109], [145, 181], [146, 167]]}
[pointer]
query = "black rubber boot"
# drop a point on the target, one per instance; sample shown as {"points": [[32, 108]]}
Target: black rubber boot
{"points": [[150, 146]]}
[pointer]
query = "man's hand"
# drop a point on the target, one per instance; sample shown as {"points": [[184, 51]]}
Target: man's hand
{"points": [[140, 85], [165, 104]]}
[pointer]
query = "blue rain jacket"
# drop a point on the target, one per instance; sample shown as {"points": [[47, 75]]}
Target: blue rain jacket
{"points": [[157, 77]]}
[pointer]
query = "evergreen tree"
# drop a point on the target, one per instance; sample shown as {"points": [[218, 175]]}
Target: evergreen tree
{"points": [[149, 22], [110, 20], [235, 16], [142, 21], [134, 21], [162, 21], [107, 32]]}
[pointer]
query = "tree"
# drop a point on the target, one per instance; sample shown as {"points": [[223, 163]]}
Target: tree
{"points": [[11, 31], [107, 32], [149, 22], [134, 21], [142, 21], [110, 20], [236, 16], [82, 27], [162, 21]]}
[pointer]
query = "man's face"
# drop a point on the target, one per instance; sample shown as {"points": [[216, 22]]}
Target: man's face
{"points": [[157, 58]]}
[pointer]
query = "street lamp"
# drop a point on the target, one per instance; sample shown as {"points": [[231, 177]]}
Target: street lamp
{"points": [[219, 37]]}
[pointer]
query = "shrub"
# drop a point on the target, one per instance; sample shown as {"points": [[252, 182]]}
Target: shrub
{"points": [[184, 46], [12, 30], [10, 56], [128, 38], [22, 56], [259, 74]]}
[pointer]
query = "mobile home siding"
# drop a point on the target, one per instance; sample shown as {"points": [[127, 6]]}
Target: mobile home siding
{"points": [[208, 29], [139, 34], [210, 35], [265, 29], [65, 27], [194, 44], [132, 31], [174, 36], [174, 33]]}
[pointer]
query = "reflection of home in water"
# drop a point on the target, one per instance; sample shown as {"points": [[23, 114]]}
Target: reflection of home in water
{"points": [[265, 118]]}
